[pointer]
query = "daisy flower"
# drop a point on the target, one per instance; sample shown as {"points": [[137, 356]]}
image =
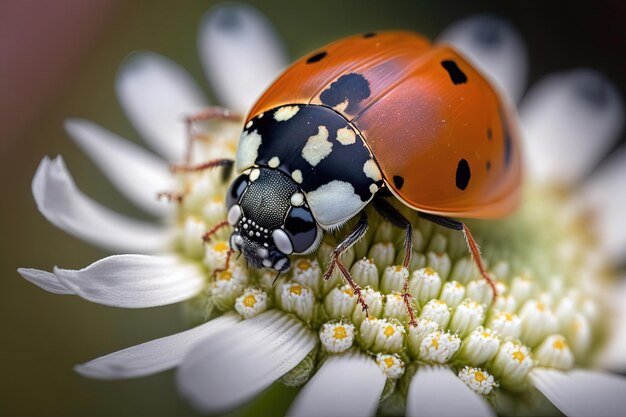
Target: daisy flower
{"points": [[545, 344]]}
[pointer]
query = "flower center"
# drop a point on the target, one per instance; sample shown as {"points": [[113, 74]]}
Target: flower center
{"points": [[389, 362], [340, 332], [225, 276], [479, 376], [220, 247], [519, 356], [249, 300], [303, 264], [296, 290]]}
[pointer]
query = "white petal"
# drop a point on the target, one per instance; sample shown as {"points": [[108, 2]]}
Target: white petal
{"points": [[154, 356], [240, 362], [582, 392], [606, 193], [569, 121], [612, 357], [43, 279], [495, 47], [138, 174], [345, 385], [156, 94], [436, 391], [134, 281], [241, 53], [60, 201]]}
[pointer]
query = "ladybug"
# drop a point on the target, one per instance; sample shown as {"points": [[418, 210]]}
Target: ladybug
{"points": [[357, 122]]}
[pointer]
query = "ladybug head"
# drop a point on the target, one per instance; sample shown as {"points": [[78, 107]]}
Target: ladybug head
{"points": [[270, 218]]}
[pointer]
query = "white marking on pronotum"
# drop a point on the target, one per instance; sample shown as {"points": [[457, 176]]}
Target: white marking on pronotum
{"points": [[248, 149], [285, 113], [282, 241], [274, 162], [297, 199], [371, 170], [317, 147], [297, 176], [346, 136], [334, 203], [254, 174]]}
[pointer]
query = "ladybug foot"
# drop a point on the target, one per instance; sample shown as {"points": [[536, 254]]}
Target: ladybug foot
{"points": [[407, 297], [491, 283], [356, 288], [360, 300], [220, 270]]}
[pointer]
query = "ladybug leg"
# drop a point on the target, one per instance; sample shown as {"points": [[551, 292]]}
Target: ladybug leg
{"points": [[469, 239], [354, 236], [392, 215], [216, 163], [171, 196], [210, 113], [228, 255], [211, 232]]}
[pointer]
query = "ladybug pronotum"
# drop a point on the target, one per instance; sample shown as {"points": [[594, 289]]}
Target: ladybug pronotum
{"points": [[362, 120]]}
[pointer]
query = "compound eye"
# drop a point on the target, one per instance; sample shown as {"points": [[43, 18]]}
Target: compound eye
{"points": [[301, 228], [236, 189]]}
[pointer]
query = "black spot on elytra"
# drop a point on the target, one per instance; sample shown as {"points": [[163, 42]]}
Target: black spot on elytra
{"points": [[369, 35], [463, 174], [352, 87], [488, 165], [317, 57], [398, 181], [456, 75], [489, 133]]}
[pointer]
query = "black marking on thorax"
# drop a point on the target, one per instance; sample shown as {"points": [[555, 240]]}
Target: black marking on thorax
{"points": [[287, 139]]}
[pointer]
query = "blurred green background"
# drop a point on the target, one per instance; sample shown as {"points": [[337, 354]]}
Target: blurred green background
{"points": [[44, 335]]}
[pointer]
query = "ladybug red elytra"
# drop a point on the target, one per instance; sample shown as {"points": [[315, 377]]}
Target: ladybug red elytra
{"points": [[363, 119]]}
